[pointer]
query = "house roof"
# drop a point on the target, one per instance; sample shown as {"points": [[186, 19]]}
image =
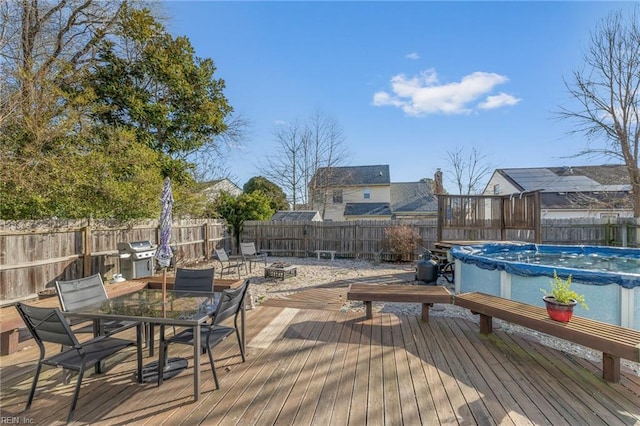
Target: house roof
{"points": [[352, 176], [413, 197], [367, 209], [585, 200], [569, 179], [285, 215]]}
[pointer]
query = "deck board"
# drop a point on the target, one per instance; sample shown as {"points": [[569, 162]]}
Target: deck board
{"points": [[331, 367]]}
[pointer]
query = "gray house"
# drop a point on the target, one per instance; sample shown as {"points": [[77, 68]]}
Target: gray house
{"points": [[413, 200], [301, 215], [569, 192]]}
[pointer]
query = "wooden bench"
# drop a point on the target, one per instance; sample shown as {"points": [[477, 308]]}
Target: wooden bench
{"points": [[427, 295], [319, 252], [11, 322], [613, 341]]}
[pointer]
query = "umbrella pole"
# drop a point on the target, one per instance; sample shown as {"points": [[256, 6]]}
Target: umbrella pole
{"points": [[164, 287]]}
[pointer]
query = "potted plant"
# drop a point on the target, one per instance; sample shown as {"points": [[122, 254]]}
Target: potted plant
{"points": [[561, 300]]}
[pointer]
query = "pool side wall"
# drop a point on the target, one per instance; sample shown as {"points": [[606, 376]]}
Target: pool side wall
{"points": [[608, 303]]}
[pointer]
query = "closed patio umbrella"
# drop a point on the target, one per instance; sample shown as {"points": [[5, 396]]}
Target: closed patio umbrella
{"points": [[172, 366], [164, 252]]}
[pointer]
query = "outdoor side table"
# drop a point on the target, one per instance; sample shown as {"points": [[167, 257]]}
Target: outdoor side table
{"points": [[281, 272]]}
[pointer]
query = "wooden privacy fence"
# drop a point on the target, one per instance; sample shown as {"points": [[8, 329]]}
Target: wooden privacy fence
{"points": [[513, 217], [362, 239], [35, 254]]}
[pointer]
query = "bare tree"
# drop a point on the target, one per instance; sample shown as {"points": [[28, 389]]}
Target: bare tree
{"points": [[285, 166], [607, 95], [326, 149], [211, 158], [469, 169], [302, 150], [46, 45]]}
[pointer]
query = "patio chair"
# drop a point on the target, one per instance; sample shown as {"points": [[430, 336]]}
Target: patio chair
{"points": [[85, 292], [250, 254], [230, 305], [194, 280], [229, 264], [49, 325]]}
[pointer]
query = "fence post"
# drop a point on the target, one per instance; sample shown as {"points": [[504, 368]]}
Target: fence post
{"points": [[87, 250], [207, 242], [623, 235]]}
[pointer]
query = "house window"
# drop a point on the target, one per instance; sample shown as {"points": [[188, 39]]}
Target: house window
{"points": [[337, 196], [496, 189], [367, 193]]}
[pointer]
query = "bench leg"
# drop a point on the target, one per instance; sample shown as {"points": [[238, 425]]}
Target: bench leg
{"points": [[368, 307], [9, 341], [610, 368], [486, 324], [425, 311]]}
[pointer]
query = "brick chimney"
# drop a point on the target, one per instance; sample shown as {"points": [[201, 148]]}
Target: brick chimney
{"points": [[437, 183]]}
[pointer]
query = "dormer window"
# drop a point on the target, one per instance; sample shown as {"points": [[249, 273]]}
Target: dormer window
{"points": [[367, 193]]}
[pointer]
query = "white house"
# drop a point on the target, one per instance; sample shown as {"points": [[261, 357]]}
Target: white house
{"points": [[569, 192], [213, 188]]}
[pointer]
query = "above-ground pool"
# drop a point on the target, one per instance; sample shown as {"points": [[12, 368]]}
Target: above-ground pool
{"points": [[609, 277]]}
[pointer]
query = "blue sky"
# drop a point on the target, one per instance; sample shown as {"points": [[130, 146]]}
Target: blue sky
{"points": [[406, 81]]}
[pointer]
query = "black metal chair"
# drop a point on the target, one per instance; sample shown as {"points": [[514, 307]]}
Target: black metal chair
{"points": [[75, 295], [230, 305], [251, 255], [227, 263], [49, 325], [194, 280]]}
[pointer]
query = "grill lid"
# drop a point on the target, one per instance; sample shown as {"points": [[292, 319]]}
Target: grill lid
{"points": [[135, 246], [135, 250]]}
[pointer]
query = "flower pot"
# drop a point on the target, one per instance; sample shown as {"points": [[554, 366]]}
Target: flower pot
{"points": [[559, 311]]}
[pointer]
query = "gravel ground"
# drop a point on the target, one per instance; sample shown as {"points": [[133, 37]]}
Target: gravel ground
{"points": [[312, 272]]}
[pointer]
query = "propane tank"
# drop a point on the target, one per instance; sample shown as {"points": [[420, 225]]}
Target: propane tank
{"points": [[427, 270]]}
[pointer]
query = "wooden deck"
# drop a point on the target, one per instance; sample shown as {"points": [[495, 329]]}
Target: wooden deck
{"points": [[321, 367]]}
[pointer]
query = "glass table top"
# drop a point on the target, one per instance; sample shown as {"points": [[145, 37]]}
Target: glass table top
{"points": [[180, 307]]}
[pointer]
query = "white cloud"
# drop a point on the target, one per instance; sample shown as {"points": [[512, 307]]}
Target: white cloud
{"points": [[497, 101], [412, 55], [423, 94]]}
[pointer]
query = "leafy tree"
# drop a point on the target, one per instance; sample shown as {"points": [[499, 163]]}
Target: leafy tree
{"points": [[81, 83], [607, 95], [277, 197], [237, 210], [163, 92]]}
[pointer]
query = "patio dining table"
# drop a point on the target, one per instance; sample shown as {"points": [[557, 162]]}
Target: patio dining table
{"points": [[181, 309]]}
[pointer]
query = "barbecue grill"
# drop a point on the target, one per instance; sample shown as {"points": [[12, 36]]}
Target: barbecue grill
{"points": [[136, 259]]}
